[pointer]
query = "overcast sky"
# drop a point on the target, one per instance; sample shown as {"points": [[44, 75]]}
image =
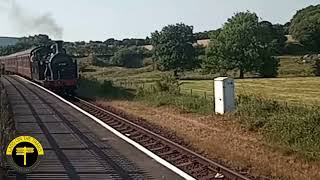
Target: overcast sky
{"points": [[74, 20]]}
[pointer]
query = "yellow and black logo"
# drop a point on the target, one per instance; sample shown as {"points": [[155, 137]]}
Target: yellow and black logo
{"points": [[24, 153]]}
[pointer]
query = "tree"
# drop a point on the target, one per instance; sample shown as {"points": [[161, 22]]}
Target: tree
{"points": [[36, 40], [272, 36], [204, 34], [286, 28], [269, 64], [147, 41], [272, 41], [236, 46], [240, 46], [305, 27], [110, 41], [133, 42], [173, 48], [128, 57], [26, 43]]}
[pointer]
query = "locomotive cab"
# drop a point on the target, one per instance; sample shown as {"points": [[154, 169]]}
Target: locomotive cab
{"points": [[38, 58]]}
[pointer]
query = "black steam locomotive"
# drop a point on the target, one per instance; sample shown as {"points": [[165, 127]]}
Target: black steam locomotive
{"points": [[49, 66]]}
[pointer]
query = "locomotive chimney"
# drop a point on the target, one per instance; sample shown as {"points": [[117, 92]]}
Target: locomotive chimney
{"points": [[59, 47]]}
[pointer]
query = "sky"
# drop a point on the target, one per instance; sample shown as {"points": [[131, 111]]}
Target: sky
{"points": [[76, 20]]}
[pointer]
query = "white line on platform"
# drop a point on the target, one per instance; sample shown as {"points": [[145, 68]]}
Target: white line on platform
{"points": [[125, 138]]}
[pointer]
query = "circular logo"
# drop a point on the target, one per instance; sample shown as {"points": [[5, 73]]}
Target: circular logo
{"points": [[24, 153]]}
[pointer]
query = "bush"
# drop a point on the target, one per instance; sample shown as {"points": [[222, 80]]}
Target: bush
{"points": [[269, 67], [128, 57], [255, 111], [94, 88], [106, 85], [91, 60], [294, 49], [147, 62], [168, 84], [295, 128]]}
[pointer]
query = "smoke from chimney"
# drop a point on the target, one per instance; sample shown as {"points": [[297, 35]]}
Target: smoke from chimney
{"points": [[27, 23]]}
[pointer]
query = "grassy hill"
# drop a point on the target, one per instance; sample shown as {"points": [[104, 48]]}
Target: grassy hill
{"points": [[290, 66], [292, 71], [5, 41]]}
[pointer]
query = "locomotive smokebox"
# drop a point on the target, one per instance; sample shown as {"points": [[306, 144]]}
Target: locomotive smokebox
{"points": [[59, 46]]}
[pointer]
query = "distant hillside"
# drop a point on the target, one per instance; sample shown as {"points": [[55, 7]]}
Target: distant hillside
{"points": [[5, 41]]}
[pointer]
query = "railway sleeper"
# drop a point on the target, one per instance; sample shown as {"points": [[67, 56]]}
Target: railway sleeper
{"points": [[176, 158], [150, 144], [136, 134], [124, 127], [118, 126], [148, 140], [129, 131], [173, 155], [205, 173], [162, 150], [158, 148], [185, 164], [166, 153], [145, 139], [139, 137], [196, 170], [113, 123]]}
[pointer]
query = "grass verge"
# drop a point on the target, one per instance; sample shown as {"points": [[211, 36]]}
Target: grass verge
{"points": [[295, 128], [222, 139], [7, 129], [288, 131], [94, 89], [292, 128], [188, 104]]}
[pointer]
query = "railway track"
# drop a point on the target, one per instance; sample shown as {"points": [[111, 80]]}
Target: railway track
{"points": [[186, 160], [194, 164]]}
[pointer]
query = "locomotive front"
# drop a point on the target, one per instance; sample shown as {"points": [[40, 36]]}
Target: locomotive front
{"points": [[59, 69]]}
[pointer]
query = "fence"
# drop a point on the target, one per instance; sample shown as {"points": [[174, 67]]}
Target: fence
{"points": [[197, 93], [208, 95]]}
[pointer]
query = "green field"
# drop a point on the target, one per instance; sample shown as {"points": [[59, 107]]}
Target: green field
{"points": [[302, 90], [295, 84], [120, 74], [289, 66], [285, 110], [293, 66]]}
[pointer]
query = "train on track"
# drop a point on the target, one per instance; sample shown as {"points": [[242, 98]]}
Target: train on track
{"points": [[49, 66]]}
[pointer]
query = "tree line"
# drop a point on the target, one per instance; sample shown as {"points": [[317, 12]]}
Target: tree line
{"points": [[243, 44]]}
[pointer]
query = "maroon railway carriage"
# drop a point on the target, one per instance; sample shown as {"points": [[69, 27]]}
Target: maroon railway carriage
{"points": [[49, 66]]}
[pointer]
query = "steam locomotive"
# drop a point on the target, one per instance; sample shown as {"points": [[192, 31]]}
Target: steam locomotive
{"points": [[49, 66]]}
